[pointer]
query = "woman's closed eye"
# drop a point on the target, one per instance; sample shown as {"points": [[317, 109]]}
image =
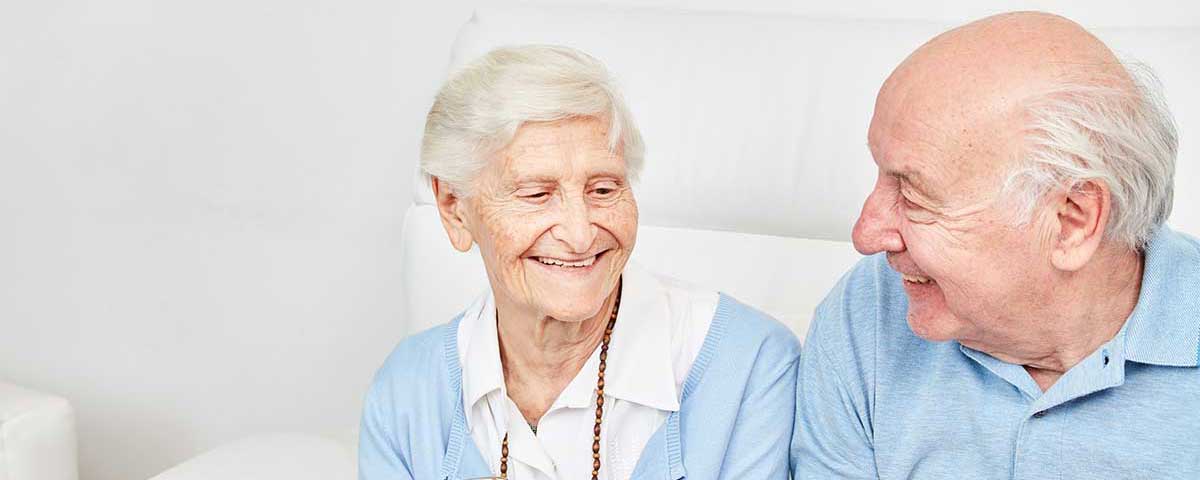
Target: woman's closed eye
{"points": [[534, 195], [605, 190]]}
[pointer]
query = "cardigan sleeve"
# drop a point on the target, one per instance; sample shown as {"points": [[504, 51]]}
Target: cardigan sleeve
{"points": [[379, 458], [759, 441]]}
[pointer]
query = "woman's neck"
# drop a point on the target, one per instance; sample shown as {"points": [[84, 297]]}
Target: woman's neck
{"points": [[541, 355]]}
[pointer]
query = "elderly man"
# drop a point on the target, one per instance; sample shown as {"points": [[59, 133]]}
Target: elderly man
{"points": [[1024, 312]]}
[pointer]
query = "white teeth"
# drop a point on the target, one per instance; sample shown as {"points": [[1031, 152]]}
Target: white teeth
{"points": [[916, 278], [563, 263]]}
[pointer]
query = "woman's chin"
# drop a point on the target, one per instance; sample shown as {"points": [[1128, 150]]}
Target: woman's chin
{"points": [[569, 304]]}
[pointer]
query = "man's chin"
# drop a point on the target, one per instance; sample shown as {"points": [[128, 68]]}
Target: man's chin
{"points": [[931, 326]]}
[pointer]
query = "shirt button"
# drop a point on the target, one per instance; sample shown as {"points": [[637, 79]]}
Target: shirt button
{"points": [[1039, 414]]}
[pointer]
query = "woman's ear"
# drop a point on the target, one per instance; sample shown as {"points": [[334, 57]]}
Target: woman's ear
{"points": [[452, 209]]}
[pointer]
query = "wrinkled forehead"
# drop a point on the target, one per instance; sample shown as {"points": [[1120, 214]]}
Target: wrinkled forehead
{"points": [[939, 136]]}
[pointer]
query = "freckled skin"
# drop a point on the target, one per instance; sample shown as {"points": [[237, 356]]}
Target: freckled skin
{"points": [[947, 127], [556, 191]]}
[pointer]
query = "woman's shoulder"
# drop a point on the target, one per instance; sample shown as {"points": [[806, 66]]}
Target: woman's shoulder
{"points": [[743, 345], [740, 324], [420, 360], [731, 327]]}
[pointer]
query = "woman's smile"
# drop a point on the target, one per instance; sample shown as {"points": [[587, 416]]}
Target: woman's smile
{"points": [[575, 265]]}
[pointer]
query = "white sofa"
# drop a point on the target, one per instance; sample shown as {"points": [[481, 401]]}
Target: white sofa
{"points": [[755, 171], [37, 436]]}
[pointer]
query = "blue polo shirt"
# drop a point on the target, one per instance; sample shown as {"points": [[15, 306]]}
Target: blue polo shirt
{"points": [[876, 401]]}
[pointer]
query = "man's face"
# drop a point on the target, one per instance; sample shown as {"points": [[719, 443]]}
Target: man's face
{"points": [[968, 272]]}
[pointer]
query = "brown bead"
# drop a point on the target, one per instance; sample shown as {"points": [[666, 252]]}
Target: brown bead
{"points": [[612, 320]]}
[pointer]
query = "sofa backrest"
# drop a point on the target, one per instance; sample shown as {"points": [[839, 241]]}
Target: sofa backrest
{"points": [[755, 126]]}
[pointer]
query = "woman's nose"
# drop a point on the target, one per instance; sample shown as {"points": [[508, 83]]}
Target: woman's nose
{"points": [[574, 227]]}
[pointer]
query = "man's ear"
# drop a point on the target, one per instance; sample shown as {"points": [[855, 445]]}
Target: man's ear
{"points": [[1082, 220], [452, 208]]}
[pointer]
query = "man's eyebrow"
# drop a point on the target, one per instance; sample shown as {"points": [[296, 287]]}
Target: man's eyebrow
{"points": [[906, 177], [910, 177]]}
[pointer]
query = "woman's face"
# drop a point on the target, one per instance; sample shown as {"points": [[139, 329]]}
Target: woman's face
{"points": [[555, 219]]}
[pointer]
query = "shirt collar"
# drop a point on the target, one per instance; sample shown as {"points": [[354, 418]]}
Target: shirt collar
{"points": [[482, 372], [1164, 328], [640, 366]]}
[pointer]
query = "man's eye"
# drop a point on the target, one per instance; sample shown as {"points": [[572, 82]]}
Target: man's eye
{"points": [[604, 191], [534, 195]]}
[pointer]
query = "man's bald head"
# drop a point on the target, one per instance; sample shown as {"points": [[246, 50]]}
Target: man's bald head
{"points": [[1011, 52], [980, 96], [982, 72]]}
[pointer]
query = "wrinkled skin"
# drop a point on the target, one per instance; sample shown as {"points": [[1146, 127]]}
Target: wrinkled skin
{"points": [[555, 220], [947, 129], [556, 192]]}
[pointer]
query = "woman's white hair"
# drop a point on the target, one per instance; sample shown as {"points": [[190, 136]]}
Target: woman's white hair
{"points": [[479, 109], [1087, 132]]}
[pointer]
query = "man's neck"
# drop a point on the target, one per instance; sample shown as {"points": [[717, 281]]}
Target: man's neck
{"points": [[541, 355], [1085, 311]]}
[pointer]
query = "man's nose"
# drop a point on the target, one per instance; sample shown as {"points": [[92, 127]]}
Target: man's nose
{"points": [[574, 227], [878, 226]]}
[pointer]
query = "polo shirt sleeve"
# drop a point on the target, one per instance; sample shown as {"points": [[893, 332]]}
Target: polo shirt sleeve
{"points": [[833, 430]]}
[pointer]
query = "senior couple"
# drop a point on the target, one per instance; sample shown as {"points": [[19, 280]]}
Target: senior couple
{"points": [[1022, 312]]}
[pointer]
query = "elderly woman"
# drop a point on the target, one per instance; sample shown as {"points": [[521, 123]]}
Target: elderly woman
{"points": [[575, 363]]}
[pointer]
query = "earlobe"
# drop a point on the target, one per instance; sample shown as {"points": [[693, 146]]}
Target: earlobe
{"points": [[451, 210], [1082, 219]]}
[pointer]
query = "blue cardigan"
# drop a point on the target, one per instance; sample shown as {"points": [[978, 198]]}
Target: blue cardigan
{"points": [[734, 420]]}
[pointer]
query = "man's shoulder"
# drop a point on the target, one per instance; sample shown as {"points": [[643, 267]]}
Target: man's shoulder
{"points": [[867, 301]]}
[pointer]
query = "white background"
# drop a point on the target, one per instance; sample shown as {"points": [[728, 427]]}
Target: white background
{"points": [[200, 202]]}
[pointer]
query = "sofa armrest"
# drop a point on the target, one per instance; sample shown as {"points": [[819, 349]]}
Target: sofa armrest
{"points": [[276, 456], [37, 436]]}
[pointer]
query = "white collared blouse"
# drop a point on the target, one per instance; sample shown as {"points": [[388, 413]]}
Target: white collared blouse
{"points": [[660, 329]]}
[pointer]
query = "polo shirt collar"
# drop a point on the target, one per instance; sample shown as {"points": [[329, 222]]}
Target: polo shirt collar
{"points": [[1164, 328]]}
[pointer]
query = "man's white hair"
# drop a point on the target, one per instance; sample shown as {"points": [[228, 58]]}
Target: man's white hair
{"points": [[479, 109], [1088, 132]]}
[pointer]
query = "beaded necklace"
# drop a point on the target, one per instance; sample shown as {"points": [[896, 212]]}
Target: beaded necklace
{"points": [[612, 320]]}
